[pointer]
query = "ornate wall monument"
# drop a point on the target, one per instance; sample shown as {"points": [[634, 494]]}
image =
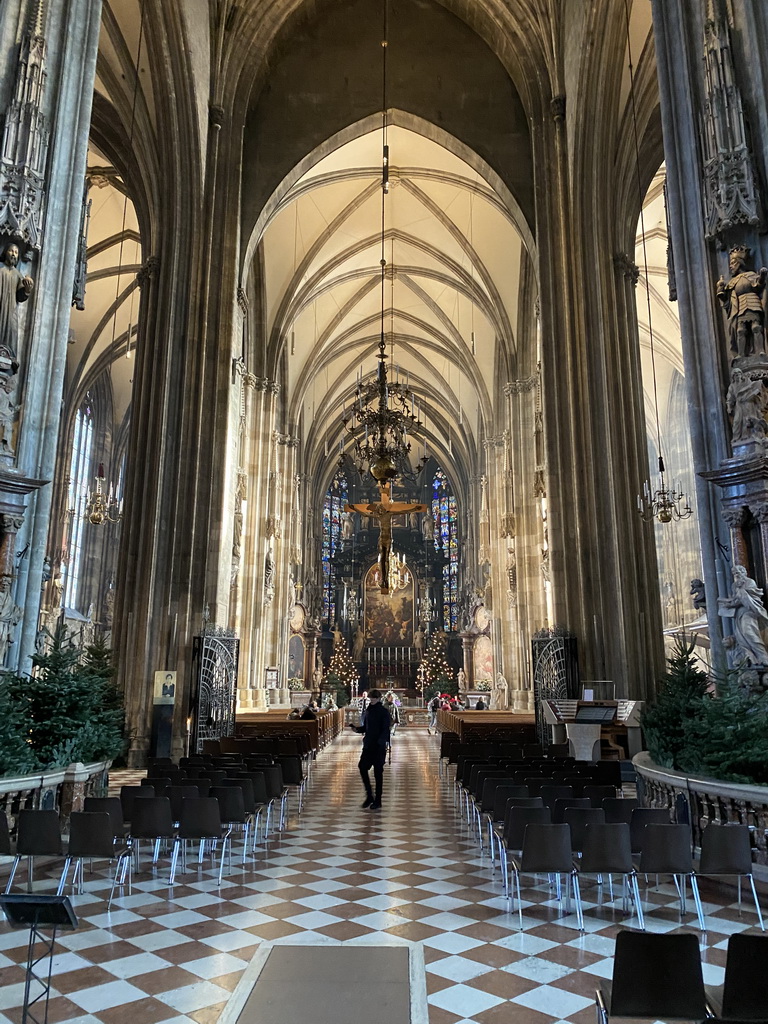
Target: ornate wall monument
{"points": [[714, 54]]}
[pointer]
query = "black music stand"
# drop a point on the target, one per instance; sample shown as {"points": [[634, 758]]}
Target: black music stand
{"points": [[26, 910]]}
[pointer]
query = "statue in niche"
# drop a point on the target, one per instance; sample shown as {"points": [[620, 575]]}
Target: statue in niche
{"points": [[14, 288], [743, 299], [237, 528], [428, 526], [746, 402], [338, 638], [8, 410], [745, 607], [269, 575], [698, 594], [461, 681], [500, 691], [418, 641], [358, 644], [347, 526], [413, 520], [10, 616]]}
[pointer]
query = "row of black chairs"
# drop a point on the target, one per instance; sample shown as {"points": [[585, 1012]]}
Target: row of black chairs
{"points": [[571, 800], [98, 832], [659, 977]]}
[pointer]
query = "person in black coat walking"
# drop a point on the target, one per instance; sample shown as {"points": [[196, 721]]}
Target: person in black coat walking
{"points": [[375, 730]]}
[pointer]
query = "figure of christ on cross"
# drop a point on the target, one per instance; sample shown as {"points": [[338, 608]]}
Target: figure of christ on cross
{"points": [[384, 510]]}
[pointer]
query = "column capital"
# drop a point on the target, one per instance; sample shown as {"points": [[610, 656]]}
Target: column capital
{"points": [[734, 517], [519, 387]]}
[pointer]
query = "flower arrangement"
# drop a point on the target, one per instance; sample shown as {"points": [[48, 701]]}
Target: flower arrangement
{"points": [[483, 685], [296, 683]]}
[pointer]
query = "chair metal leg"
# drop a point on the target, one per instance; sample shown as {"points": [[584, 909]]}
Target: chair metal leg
{"points": [[174, 858], [638, 904], [64, 873], [519, 899], [225, 843], [577, 899], [256, 827], [757, 905], [697, 901], [13, 873]]}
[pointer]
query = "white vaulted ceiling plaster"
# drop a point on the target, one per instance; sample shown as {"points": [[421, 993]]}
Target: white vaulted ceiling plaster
{"points": [[98, 334], [453, 258]]}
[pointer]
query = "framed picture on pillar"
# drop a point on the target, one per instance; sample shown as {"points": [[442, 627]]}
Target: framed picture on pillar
{"points": [[272, 678], [165, 688]]}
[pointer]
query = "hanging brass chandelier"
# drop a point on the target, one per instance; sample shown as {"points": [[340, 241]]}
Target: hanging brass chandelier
{"points": [[383, 412], [101, 508]]}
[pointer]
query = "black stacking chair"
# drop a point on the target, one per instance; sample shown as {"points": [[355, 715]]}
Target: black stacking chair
{"points": [[511, 839], [642, 816], [273, 776], [200, 822], [553, 792], [598, 793], [742, 996], [177, 794], [293, 778], [38, 835], [233, 812], [128, 796], [654, 976], [151, 820], [112, 806], [726, 850], [562, 805], [91, 836], [618, 809], [606, 850], [260, 801], [491, 783], [502, 794], [559, 750], [578, 818], [547, 850], [533, 750], [666, 850]]}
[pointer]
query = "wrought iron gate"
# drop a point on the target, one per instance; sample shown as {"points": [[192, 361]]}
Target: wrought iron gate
{"points": [[555, 672], [216, 653]]}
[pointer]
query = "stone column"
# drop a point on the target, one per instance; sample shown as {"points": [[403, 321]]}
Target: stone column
{"points": [[10, 526], [68, 31], [760, 512], [734, 519]]}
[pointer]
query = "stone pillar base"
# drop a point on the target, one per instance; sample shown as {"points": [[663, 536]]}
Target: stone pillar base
{"points": [[251, 700], [521, 700]]}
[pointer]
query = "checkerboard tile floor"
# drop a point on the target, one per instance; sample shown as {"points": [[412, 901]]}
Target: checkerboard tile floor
{"points": [[340, 874]]}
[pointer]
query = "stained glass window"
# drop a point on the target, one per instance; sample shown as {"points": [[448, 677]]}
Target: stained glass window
{"points": [[80, 473], [447, 539], [335, 499]]}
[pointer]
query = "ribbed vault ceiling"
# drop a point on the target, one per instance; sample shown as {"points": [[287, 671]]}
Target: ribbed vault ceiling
{"points": [[450, 299]]}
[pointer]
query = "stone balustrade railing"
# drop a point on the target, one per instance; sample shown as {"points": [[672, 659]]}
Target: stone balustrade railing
{"points": [[707, 801], [62, 789]]}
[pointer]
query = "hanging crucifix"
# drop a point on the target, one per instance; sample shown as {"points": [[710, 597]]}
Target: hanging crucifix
{"points": [[383, 510]]}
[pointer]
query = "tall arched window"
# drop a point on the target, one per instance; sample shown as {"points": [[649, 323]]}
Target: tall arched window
{"points": [[80, 473], [336, 498], [447, 538]]}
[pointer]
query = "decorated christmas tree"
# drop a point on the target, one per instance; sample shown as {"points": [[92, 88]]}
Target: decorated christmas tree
{"points": [[341, 672], [437, 672]]}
